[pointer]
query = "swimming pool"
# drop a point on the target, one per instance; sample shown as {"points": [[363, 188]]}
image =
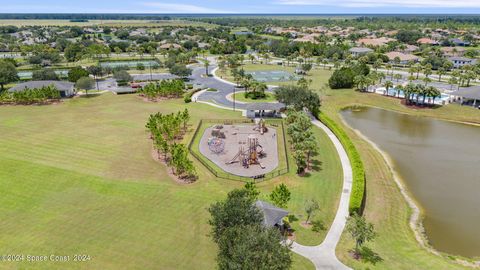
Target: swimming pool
{"points": [[443, 98]]}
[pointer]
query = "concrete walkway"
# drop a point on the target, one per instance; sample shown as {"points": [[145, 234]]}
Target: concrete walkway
{"points": [[323, 256]]}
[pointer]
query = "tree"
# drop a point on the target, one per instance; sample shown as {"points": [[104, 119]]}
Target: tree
{"points": [[252, 190], [299, 98], [45, 74], [180, 70], [388, 85], [236, 210], [122, 77], [85, 83], [360, 230], [76, 73], [206, 63], [311, 206], [253, 247], [342, 78], [280, 195], [8, 74], [96, 71]]}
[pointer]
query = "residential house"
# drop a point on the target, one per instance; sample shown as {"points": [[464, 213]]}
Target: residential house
{"points": [[459, 62], [359, 51]]}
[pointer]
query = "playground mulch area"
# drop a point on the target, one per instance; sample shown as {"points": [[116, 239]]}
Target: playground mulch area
{"points": [[236, 136]]}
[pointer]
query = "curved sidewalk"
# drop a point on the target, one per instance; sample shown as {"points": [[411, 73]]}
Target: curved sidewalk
{"points": [[323, 256]]}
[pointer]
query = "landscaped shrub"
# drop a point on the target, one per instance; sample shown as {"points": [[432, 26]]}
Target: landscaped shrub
{"points": [[358, 185], [29, 96], [188, 96], [166, 88]]}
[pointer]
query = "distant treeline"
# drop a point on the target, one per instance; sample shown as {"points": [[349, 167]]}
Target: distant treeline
{"points": [[360, 21], [82, 17]]}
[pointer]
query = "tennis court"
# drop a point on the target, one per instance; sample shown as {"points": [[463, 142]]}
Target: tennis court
{"points": [[273, 76]]}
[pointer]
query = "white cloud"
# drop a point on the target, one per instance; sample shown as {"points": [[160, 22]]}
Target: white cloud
{"points": [[181, 8], [386, 3]]}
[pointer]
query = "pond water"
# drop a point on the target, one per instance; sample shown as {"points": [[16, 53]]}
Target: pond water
{"points": [[439, 162]]}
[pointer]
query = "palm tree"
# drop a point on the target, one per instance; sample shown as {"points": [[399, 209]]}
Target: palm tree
{"points": [[441, 71], [431, 92], [399, 88], [397, 77], [419, 90], [408, 91], [388, 85], [206, 64], [360, 81]]}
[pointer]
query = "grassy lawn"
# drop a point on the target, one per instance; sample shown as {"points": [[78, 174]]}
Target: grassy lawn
{"points": [[78, 178], [241, 97]]}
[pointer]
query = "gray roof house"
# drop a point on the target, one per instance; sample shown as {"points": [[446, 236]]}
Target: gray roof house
{"points": [[65, 88], [272, 215], [459, 62], [359, 51]]}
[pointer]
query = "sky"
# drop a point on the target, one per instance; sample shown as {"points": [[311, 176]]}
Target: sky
{"points": [[242, 6]]}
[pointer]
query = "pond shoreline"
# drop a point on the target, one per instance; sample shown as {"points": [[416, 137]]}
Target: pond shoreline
{"points": [[417, 215]]}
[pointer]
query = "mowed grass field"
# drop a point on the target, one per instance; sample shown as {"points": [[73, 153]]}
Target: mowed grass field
{"points": [[385, 206], [78, 178]]}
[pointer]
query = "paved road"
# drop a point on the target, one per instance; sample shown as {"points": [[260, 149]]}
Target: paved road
{"points": [[323, 256]]}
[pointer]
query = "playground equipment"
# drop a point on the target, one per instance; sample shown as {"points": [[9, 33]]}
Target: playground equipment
{"points": [[216, 145], [217, 132], [251, 155], [260, 126]]}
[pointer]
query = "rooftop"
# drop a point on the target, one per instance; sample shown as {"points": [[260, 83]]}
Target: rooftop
{"points": [[272, 215], [268, 106], [60, 85]]}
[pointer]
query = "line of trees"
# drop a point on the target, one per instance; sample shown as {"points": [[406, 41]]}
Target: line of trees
{"points": [[165, 89], [166, 131], [302, 139], [29, 96]]}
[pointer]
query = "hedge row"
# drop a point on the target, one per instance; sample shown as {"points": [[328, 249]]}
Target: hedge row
{"points": [[188, 96], [358, 185]]}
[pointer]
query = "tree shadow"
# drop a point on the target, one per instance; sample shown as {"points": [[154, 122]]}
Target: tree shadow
{"points": [[92, 95], [369, 256], [317, 165]]}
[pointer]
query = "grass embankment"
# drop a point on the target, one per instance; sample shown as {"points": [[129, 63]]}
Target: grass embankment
{"points": [[78, 177]]}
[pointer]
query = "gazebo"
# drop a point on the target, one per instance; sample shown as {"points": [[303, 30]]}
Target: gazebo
{"points": [[272, 215], [472, 94], [264, 109]]}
